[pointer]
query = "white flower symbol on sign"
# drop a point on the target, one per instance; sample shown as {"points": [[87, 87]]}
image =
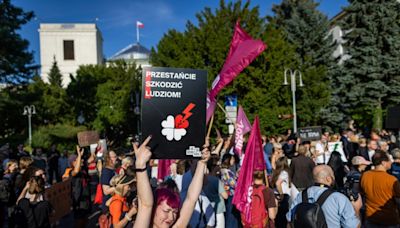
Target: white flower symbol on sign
{"points": [[170, 131]]}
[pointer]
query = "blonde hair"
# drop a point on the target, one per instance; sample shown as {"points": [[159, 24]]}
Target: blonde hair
{"points": [[127, 161], [9, 164], [25, 162], [116, 183]]}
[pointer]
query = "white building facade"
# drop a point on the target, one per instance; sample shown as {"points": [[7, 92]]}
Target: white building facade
{"points": [[71, 45]]}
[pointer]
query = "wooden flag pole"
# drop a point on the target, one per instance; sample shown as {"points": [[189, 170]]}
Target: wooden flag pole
{"points": [[210, 126], [227, 115]]}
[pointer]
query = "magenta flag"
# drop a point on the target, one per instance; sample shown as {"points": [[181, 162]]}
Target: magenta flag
{"points": [[211, 103], [163, 168], [242, 127], [253, 160], [244, 49]]}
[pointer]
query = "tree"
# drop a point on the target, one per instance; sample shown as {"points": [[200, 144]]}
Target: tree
{"points": [[103, 96], [373, 42], [307, 28], [15, 59], [55, 76], [205, 46]]}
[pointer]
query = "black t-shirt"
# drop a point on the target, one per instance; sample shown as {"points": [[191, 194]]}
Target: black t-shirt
{"points": [[52, 158], [106, 175], [36, 214]]}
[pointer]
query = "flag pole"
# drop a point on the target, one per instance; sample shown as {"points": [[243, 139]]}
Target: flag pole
{"points": [[210, 126], [227, 115], [137, 32]]}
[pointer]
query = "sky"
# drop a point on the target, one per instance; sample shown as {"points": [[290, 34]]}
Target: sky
{"points": [[117, 19]]}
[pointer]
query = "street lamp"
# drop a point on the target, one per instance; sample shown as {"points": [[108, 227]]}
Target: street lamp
{"points": [[29, 110], [293, 88]]}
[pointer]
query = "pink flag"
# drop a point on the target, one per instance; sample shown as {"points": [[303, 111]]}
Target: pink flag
{"points": [[244, 49], [211, 103], [253, 160], [242, 127], [163, 168]]}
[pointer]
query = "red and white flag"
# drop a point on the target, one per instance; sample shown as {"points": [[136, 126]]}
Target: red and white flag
{"points": [[242, 127], [139, 24]]}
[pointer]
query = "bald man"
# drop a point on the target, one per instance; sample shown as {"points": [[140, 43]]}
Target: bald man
{"points": [[338, 210]]}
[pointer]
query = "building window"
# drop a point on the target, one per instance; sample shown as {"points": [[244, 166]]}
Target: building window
{"points": [[69, 53]]}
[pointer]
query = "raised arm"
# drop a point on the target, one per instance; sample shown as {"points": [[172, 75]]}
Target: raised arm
{"points": [[193, 191], [77, 167], [144, 191]]}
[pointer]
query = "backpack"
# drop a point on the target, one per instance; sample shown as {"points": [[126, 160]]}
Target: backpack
{"points": [[395, 170], [5, 191], [259, 215], [18, 218], [311, 214], [105, 219]]}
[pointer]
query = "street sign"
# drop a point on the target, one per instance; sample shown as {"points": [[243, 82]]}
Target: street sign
{"points": [[231, 109], [174, 111]]}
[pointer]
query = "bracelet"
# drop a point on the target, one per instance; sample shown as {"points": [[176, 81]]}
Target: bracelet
{"points": [[141, 170], [128, 218]]}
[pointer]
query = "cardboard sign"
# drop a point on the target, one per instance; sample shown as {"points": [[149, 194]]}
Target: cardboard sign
{"points": [[310, 133], [59, 196], [174, 111]]}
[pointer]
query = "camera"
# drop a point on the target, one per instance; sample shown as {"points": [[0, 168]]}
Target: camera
{"points": [[349, 189]]}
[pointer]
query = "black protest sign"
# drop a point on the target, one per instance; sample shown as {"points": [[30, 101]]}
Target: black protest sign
{"points": [[310, 133], [174, 111]]}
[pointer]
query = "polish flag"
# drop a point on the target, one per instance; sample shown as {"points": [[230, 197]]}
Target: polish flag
{"points": [[139, 24]]}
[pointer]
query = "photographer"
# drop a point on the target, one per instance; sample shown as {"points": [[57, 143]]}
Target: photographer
{"points": [[359, 164]]}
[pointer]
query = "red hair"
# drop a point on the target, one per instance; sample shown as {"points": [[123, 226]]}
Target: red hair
{"points": [[170, 197]]}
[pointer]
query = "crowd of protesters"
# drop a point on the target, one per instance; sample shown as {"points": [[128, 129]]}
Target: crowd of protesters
{"points": [[356, 174]]}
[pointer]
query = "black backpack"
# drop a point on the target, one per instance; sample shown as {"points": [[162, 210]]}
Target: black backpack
{"points": [[5, 191], [310, 215]]}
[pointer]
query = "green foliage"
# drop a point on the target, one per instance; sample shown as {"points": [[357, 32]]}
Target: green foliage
{"points": [[63, 135], [103, 95], [306, 28], [373, 42], [55, 76], [259, 86], [14, 55]]}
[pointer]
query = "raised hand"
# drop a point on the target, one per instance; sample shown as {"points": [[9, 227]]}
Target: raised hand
{"points": [[142, 153], [205, 154], [79, 151]]}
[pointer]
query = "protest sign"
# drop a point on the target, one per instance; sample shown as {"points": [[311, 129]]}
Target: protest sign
{"points": [[310, 133], [174, 111], [59, 196]]}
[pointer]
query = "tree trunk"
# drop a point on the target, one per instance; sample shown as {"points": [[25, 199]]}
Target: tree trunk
{"points": [[377, 117]]}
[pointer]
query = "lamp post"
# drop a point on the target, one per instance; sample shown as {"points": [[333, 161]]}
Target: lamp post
{"points": [[29, 110], [293, 88]]}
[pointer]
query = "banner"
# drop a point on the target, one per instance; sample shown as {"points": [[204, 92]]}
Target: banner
{"points": [[243, 50], [174, 111], [242, 127], [253, 160], [310, 133]]}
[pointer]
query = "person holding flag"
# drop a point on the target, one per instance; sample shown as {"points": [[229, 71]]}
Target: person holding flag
{"points": [[252, 197]]}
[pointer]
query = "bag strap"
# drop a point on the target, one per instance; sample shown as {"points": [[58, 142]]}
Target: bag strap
{"points": [[324, 196], [304, 197]]}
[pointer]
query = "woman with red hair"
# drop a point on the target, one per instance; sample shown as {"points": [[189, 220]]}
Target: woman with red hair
{"points": [[166, 211]]}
